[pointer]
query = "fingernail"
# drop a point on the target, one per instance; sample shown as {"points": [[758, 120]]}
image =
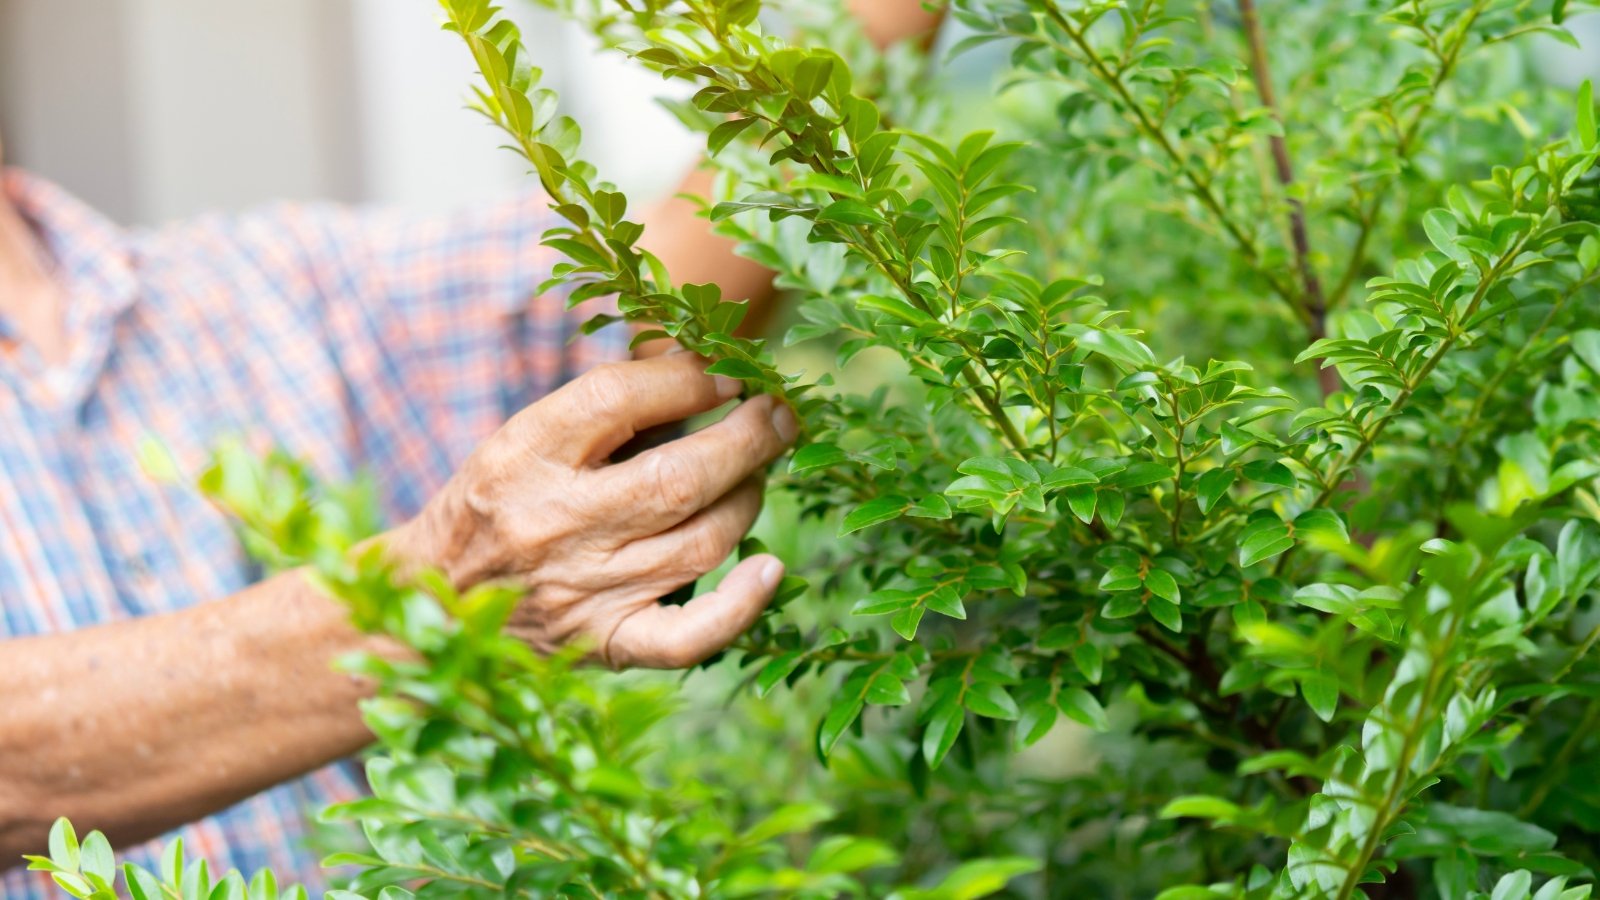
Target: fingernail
{"points": [[727, 388], [783, 421], [771, 574]]}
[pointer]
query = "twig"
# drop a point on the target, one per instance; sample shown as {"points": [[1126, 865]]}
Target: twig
{"points": [[1312, 300]]}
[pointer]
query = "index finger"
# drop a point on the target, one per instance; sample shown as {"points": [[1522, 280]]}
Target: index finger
{"points": [[588, 418]]}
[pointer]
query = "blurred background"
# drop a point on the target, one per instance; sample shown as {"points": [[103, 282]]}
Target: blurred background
{"points": [[152, 110], [157, 109]]}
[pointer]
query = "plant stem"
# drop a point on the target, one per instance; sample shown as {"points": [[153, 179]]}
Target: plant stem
{"points": [[1311, 286], [1200, 187]]}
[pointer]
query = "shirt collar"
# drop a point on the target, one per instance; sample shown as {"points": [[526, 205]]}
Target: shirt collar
{"points": [[92, 254], [94, 261]]}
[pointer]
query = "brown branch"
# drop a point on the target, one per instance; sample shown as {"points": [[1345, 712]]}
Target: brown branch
{"points": [[1313, 301]]}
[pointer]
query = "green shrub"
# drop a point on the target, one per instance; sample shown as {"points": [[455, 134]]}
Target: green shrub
{"points": [[1327, 591]]}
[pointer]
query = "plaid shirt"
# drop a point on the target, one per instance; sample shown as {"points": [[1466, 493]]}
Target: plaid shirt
{"points": [[360, 341]]}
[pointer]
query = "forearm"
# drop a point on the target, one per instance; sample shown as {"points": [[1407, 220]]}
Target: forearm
{"points": [[140, 726]]}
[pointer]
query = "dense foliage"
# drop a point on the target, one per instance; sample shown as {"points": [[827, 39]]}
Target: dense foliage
{"points": [[1108, 436]]}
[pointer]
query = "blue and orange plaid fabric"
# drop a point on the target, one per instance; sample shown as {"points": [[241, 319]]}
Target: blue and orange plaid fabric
{"points": [[362, 341]]}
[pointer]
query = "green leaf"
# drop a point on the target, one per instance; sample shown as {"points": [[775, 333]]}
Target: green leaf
{"points": [[992, 700], [1082, 706], [897, 308], [1197, 806], [943, 729], [96, 857], [982, 878], [874, 511], [1322, 694], [1269, 471], [848, 853], [1081, 500], [1263, 539], [788, 819], [1123, 605], [1068, 476], [777, 669], [933, 506], [1162, 584], [1588, 136], [1586, 346], [736, 368], [64, 845], [1120, 578], [1037, 719], [1322, 525], [816, 456], [821, 181], [884, 601], [1165, 612], [905, 621], [946, 601], [1489, 832], [812, 75], [1087, 658], [1211, 486], [841, 715], [1142, 474], [1441, 228], [850, 212]]}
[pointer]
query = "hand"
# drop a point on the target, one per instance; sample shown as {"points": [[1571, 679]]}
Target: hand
{"points": [[596, 543]]}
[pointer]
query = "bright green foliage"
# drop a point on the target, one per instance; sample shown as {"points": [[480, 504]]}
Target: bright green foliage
{"points": [[1328, 591]]}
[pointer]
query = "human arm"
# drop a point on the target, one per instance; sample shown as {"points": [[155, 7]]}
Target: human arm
{"points": [[139, 726]]}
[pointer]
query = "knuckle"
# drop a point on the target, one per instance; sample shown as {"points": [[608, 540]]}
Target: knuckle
{"points": [[704, 550], [605, 390], [674, 482]]}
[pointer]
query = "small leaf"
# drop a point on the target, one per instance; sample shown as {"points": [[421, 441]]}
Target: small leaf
{"points": [[1325, 525], [777, 669], [736, 368], [905, 622], [947, 602], [1199, 807], [1081, 500], [819, 455], [1081, 706], [849, 853], [850, 212], [1087, 658], [840, 716], [1585, 129], [789, 819], [989, 699], [724, 134], [1322, 694], [943, 729], [933, 506], [1211, 486], [1120, 578], [1162, 584], [64, 845], [1263, 539], [872, 512]]}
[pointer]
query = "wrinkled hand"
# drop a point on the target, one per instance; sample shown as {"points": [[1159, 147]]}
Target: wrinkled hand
{"points": [[597, 543]]}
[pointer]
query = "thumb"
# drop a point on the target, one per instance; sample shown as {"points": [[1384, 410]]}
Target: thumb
{"points": [[676, 637]]}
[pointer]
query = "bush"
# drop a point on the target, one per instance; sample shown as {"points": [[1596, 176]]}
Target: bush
{"points": [[1327, 594]]}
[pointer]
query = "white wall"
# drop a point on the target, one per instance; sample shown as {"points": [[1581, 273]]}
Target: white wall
{"points": [[157, 109]]}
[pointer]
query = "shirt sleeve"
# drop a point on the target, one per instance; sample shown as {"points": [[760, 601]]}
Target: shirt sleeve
{"points": [[440, 330]]}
